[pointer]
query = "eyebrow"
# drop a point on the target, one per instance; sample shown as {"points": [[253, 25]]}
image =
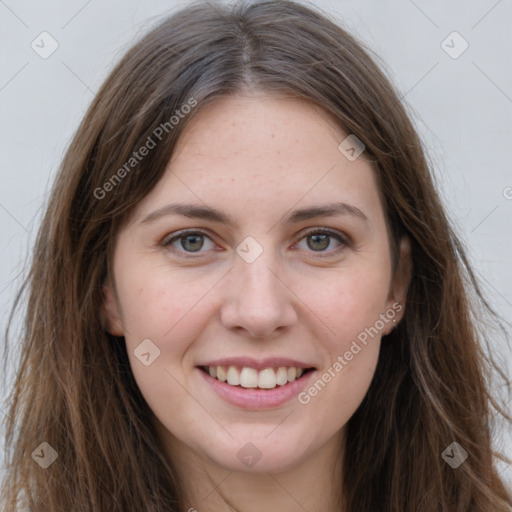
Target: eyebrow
{"points": [[214, 215]]}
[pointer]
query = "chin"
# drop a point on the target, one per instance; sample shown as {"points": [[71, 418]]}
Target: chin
{"points": [[268, 463], [258, 455]]}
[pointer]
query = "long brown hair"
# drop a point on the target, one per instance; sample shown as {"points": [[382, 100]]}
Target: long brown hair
{"points": [[74, 388]]}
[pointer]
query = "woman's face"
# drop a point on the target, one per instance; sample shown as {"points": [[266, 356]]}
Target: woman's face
{"points": [[256, 286]]}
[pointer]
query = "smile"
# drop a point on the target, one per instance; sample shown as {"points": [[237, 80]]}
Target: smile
{"points": [[246, 377], [253, 389]]}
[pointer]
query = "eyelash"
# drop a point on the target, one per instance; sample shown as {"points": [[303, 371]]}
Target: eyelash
{"points": [[167, 242]]}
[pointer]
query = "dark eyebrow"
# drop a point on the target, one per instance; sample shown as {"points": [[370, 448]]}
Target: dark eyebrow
{"points": [[214, 215]]}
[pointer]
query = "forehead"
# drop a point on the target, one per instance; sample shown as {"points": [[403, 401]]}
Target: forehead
{"points": [[259, 126], [257, 152]]}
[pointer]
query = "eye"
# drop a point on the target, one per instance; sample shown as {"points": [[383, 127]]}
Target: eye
{"points": [[319, 239], [189, 241]]}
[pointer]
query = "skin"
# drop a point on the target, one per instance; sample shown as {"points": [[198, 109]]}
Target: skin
{"points": [[257, 158]]}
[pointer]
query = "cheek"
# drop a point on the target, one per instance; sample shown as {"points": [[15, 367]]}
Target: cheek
{"points": [[158, 309], [156, 303], [352, 302], [353, 353], [351, 307]]}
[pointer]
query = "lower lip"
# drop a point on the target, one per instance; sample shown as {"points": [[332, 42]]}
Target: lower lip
{"points": [[256, 398]]}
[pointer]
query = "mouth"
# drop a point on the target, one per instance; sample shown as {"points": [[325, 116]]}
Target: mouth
{"points": [[252, 378]]}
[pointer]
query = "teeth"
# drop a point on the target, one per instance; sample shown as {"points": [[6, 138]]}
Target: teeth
{"points": [[221, 374], [267, 378], [233, 376], [282, 376], [247, 377]]}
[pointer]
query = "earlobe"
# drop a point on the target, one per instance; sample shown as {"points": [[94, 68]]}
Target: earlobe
{"points": [[109, 312]]}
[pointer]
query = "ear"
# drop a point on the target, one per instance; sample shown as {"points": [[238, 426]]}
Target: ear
{"points": [[400, 283], [109, 312]]}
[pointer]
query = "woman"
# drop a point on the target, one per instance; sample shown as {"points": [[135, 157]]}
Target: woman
{"points": [[246, 291]]}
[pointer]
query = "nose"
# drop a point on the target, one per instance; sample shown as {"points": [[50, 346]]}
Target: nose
{"points": [[258, 300]]}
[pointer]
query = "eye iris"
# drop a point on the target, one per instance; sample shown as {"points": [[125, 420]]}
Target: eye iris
{"points": [[324, 239], [193, 238]]}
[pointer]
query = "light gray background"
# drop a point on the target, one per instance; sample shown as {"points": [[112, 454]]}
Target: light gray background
{"points": [[462, 109]]}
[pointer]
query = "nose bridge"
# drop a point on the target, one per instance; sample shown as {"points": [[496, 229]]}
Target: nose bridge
{"points": [[256, 270], [258, 299]]}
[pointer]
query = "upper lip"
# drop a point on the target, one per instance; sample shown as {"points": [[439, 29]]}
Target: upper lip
{"points": [[258, 364]]}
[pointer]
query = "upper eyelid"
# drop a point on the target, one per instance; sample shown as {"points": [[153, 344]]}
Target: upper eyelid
{"points": [[182, 233]]}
